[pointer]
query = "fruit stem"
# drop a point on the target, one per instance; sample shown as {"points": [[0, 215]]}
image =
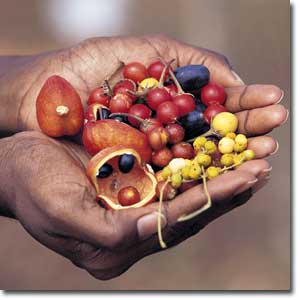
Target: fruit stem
{"points": [[163, 73], [207, 133], [204, 207], [62, 110], [159, 231], [107, 88], [130, 116], [142, 93], [179, 88]]}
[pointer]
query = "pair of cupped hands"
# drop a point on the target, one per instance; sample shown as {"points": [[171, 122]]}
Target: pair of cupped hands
{"points": [[43, 182]]}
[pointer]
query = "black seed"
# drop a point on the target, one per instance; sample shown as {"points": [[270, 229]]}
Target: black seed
{"points": [[105, 113], [122, 119], [105, 171], [126, 162]]}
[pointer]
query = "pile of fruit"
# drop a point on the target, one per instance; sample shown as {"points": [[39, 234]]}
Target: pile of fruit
{"points": [[155, 133]]}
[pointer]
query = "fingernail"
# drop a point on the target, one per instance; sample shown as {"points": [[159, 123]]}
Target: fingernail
{"points": [[237, 77], [276, 149], [147, 225], [245, 187], [286, 118], [281, 97], [267, 170]]}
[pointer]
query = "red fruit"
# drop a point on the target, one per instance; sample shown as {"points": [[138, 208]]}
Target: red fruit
{"points": [[98, 95], [162, 157], [183, 150], [128, 196], [108, 133], [94, 112], [135, 71], [213, 110], [155, 70], [158, 138], [59, 110], [123, 86], [120, 103], [172, 89], [167, 112], [212, 93], [149, 125], [139, 110], [185, 103], [157, 96], [169, 192], [176, 133]]}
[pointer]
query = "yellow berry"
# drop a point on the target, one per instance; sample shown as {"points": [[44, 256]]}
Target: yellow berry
{"points": [[241, 139], [210, 147], [226, 145], [239, 147], [199, 142], [166, 173], [176, 180], [203, 159], [185, 172], [231, 135], [227, 159], [238, 159], [148, 83], [188, 162], [224, 123], [212, 172], [195, 171], [176, 164], [248, 154]]}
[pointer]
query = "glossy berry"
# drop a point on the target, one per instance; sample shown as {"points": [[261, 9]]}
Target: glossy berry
{"points": [[193, 124], [161, 158], [212, 111], [126, 163], [139, 110], [157, 96], [135, 71], [98, 95], [172, 89], [158, 138], [176, 133], [183, 150], [105, 171], [150, 124], [123, 86], [185, 103], [155, 70], [128, 196], [224, 123], [213, 93], [167, 112], [120, 103]]}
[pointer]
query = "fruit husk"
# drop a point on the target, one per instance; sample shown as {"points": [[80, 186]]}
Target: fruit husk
{"points": [[141, 177], [59, 92], [108, 133]]}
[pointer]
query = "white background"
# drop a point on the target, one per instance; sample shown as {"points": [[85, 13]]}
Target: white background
{"points": [[295, 23]]}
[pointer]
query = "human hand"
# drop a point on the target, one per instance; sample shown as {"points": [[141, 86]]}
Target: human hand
{"points": [[89, 63]]}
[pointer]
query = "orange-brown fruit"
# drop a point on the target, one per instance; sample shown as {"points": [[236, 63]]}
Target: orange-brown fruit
{"points": [[108, 133], [141, 177], [59, 109]]}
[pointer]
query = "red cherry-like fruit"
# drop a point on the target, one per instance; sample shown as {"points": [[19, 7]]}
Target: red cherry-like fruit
{"points": [[185, 103], [128, 196], [213, 110], [183, 150], [150, 124], [162, 157], [172, 89], [212, 93], [135, 71], [167, 112], [123, 86], [176, 133], [155, 70], [139, 110], [98, 95], [120, 103], [157, 96]]}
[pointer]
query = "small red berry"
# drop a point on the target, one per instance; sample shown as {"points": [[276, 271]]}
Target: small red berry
{"points": [[213, 93]]}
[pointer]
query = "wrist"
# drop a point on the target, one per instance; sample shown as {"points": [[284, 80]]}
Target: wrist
{"points": [[7, 199]]}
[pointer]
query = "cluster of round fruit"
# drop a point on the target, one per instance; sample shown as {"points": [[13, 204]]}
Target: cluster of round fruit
{"points": [[152, 100]]}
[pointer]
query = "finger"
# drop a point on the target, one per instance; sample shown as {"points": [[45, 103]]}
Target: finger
{"points": [[252, 96], [263, 146], [259, 121]]}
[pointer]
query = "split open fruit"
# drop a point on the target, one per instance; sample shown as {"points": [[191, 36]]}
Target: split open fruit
{"points": [[108, 185]]}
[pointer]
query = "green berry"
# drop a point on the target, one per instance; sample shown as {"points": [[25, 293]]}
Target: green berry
{"points": [[248, 154], [210, 147], [166, 172], [176, 180]]}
